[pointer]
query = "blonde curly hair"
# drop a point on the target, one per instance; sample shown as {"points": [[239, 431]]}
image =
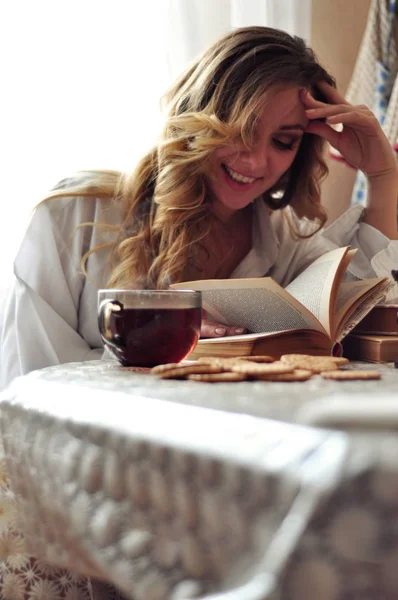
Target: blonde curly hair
{"points": [[166, 201]]}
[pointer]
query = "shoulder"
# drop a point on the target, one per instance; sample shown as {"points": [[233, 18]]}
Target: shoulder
{"points": [[57, 228], [86, 196]]}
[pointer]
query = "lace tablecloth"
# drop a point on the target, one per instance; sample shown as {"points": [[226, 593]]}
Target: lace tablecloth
{"points": [[184, 490]]}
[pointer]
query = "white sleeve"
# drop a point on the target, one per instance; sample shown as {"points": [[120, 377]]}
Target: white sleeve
{"points": [[40, 322], [377, 255], [34, 336]]}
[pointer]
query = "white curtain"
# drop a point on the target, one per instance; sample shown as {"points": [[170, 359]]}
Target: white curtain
{"points": [[81, 82], [194, 24]]}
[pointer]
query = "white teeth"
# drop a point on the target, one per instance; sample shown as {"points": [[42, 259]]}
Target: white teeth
{"points": [[238, 177]]}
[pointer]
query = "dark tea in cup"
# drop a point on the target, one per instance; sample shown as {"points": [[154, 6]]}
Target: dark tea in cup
{"points": [[149, 327]]}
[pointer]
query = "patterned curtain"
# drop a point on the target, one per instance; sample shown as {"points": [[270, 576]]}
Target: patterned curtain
{"points": [[374, 81]]}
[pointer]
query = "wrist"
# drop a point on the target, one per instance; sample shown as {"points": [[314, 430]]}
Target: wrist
{"points": [[381, 205], [388, 176]]}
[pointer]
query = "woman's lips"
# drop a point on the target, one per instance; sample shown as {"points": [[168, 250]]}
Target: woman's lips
{"points": [[237, 185]]}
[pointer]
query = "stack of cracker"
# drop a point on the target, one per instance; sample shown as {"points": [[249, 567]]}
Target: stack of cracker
{"points": [[290, 367]]}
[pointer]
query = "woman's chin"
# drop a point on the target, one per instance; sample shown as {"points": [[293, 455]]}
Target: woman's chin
{"points": [[228, 206]]}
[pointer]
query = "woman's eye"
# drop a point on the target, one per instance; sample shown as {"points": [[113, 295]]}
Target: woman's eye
{"points": [[285, 145]]}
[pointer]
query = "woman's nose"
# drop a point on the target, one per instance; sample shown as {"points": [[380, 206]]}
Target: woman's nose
{"points": [[257, 157]]}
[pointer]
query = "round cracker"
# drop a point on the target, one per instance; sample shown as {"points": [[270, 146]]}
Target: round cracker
{"points": [[210, 360], [182, 371], [254, 369], [258, 359], [340, 360], [351, 375], [315, 356], [224, 364], [166, 367], [233, 359], [296, 375], [226, 376], [317, 364]]}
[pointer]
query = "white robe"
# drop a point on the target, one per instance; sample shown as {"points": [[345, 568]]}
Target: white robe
{"points": [[50, 314]]}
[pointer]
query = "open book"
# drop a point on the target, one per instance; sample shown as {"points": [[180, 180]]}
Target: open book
{"points": [[311, 315]]}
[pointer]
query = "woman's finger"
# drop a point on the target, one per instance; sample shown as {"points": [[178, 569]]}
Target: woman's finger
{"points": [[331, 110], [309, 101], [323, 130], [331, 93], [312, 103], [210, 329], [362, 121]]}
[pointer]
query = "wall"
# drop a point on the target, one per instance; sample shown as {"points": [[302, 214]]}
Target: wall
{"points": [[337, 28]]}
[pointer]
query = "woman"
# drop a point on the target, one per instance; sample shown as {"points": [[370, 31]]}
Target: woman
{"points": [[232, 189]]}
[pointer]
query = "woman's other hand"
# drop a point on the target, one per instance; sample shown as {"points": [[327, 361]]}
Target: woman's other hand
{"points": [[210, 329], [361, 141]]}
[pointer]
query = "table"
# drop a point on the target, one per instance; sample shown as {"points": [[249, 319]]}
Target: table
{"points": [[178, 489]]}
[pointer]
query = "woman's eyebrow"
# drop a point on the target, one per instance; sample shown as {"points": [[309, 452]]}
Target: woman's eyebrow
{"points": [[293, 126]]}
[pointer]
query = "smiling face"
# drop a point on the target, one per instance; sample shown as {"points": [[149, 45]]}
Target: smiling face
{"points": [[237, 176]]}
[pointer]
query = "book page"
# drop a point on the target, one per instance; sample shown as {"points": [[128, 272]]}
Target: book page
{"points": [[388, 304], [349, 291], [258, 304], [355, 300], [313, 287]]}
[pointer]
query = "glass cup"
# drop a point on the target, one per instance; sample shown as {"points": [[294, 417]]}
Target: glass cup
{"points": [[149, 327]]}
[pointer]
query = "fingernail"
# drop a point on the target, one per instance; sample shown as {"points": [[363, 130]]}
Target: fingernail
{"points": [[220, 330], [239, 330], [311, 110]]}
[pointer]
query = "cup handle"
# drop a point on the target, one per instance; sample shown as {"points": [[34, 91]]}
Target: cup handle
{"points": [[106, 309]]}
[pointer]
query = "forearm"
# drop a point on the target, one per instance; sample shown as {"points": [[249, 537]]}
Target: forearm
{"points": [[381, 207]]}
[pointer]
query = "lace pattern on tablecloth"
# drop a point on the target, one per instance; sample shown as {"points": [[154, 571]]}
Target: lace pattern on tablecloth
{"points": [[24, 577]]}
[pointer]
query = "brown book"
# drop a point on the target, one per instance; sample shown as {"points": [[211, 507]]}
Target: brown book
{"points": [[373, 348], [381, 320], [311, 315]]}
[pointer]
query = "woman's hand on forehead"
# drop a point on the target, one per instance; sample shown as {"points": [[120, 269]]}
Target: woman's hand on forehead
{"points": [[358, 137]]}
